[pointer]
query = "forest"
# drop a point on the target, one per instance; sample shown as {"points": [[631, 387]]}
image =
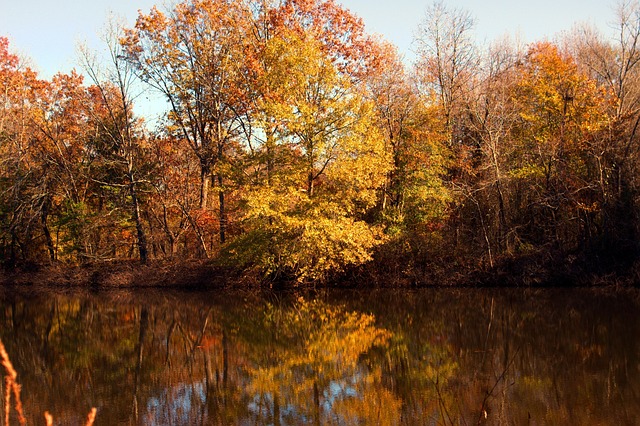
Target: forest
{"points": [[296, 147]]}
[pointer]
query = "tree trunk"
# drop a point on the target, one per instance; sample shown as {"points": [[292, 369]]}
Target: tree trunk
{"points": [[223, 213], [144, 324], [310, 184], [205, 184], [44, 214], [225, 359], [142, 238], [316, 404], [222, 206], [276, 410]]}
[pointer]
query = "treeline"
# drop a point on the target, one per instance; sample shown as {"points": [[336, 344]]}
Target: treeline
{"points": [[297, 145]]}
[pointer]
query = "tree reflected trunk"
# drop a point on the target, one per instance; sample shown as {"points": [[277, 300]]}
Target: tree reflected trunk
{"points": [[225, 359], [144, 325], [316, 404], [276, 410]]}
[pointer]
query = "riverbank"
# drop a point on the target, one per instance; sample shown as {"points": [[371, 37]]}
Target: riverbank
{"points": [[195, 274], [536, 270]]}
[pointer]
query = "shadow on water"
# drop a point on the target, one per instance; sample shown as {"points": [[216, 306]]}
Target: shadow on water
{"points": [[431, 356]]}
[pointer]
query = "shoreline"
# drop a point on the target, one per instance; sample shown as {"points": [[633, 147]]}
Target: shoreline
{"points": [[525, 272]]}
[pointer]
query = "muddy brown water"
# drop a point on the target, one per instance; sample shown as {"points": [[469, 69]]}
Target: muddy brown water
{"points": [[429, 356]]}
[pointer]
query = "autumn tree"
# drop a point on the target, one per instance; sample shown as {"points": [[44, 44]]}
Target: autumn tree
{"points": [[561, 110], [42, 130], [307, 218], [175, 183], [415, 193], [339, 35], [191, 56], [16, 215], [117, 140], [414, 202], [492, 116], [447, 57], [615, 65], [58, 140]]}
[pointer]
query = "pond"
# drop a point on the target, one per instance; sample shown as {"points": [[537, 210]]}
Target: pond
{"points": [[379, 357]]}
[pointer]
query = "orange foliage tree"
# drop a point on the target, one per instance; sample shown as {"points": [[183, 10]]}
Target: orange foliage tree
{"points": [[561, 113]]}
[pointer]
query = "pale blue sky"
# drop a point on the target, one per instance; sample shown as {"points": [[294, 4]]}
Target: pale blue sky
{"points": [[47, 31]]}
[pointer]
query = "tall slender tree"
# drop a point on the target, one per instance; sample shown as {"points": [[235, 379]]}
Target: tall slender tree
{"points": [[118, 136]]}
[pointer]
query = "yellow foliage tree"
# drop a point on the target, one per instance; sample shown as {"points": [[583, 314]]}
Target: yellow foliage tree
{"points": [[306, 217]]}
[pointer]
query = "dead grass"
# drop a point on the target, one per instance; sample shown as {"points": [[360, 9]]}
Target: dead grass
{"points": [[13, 388]]}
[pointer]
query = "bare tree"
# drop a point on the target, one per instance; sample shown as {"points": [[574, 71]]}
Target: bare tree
{"points": [[492, 116], [118, 126], [447, 57], [615, 64]]}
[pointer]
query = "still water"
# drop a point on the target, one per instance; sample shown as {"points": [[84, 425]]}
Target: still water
{"points": [[424, 357]]}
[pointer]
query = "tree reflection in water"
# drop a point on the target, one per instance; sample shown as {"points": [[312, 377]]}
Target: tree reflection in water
{"points": [[383, 357]]}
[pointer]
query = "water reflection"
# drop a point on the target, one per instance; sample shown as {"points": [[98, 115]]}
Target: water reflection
{"points": [[386, 357]]}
